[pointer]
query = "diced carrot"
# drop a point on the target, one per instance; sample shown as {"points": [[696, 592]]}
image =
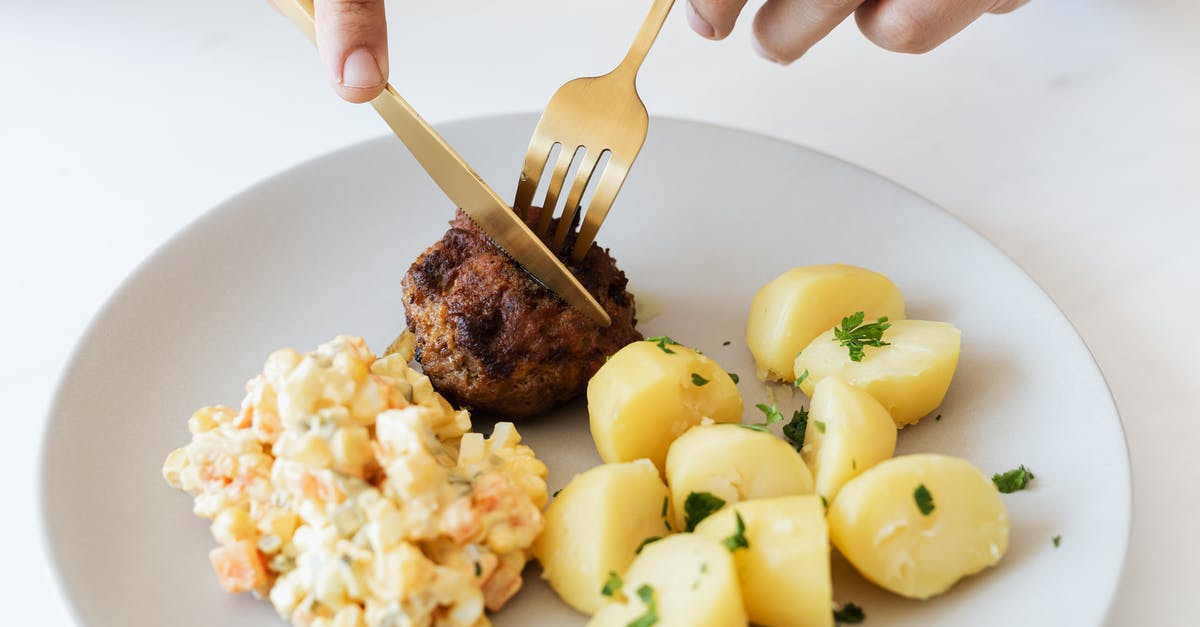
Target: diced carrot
{"points": [[240, 566]]}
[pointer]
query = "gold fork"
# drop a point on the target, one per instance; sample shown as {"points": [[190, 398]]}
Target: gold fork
{"points": [[599, 115]]}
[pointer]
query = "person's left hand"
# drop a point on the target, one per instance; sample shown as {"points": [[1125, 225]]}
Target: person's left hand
{"points": [[785, 29]]}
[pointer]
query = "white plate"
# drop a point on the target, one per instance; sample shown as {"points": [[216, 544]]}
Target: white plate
{"points": [[707, 216]]}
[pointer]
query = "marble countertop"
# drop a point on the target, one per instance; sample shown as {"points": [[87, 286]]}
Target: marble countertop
{"points": [[1066, 133]]}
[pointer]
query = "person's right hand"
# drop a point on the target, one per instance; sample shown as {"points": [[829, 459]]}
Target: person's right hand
{"points": [[352, 40]]}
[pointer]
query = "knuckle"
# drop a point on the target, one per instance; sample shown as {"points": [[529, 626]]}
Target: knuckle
{"points": [[357, 8], [898, 29]]}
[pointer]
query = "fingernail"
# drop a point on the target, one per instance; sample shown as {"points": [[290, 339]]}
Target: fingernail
{"points": [[702, 28], [360, 70], [766, 55]]}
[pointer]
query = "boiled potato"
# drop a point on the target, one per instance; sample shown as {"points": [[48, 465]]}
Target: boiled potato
{"points": [[848, 432], [734, 464], [646, 395], [787, 313], [686, 580], [784, 573], [909, 376], [594, 526], [876, 521]]}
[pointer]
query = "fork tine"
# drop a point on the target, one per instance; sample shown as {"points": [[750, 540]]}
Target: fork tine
{"points": [[565, 157], [606, 192], [531, 173], [587, 169]]}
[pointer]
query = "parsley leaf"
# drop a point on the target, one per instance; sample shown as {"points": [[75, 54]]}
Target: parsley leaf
{"points": [[612, 585], [1057, 540], [794, 430], [733, 375], [771, 412], [663, 341], [853, 334], [646, 594], [924, 499], [1013, 480], [738, 539], [698, 380], [800, 379], [649, 540], [698, 506], [850, 613]]}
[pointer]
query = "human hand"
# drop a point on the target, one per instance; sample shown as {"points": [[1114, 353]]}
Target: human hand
{"points": [[785, 29], [352, 40]]}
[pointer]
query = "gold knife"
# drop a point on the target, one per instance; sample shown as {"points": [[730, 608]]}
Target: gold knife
{"points": [[466, 188]]}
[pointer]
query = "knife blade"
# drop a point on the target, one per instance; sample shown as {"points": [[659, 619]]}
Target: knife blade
{"points": [[466, 188]]}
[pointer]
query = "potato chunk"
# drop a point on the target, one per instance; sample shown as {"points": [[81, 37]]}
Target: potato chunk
{"points": [[594, 526], [848, 432], [685, 579], [909, 377], [918, 523], [800, 304], [734, 464], [784, 573], [646, 395]]}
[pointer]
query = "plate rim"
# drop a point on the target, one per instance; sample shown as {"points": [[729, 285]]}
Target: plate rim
{"points": [[42, 498]]}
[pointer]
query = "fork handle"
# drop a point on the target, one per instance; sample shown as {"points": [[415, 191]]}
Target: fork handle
{"points": [[646, 36]]}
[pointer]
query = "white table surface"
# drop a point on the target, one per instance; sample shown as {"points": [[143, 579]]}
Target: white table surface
{"points": [[1066, 133]]}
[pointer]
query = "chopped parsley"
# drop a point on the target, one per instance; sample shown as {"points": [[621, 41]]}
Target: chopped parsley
{"points": [[726, 343], [938, 417], [738, 539], [733, 375], [824, 502], [478, 570], [800, 379], [698, 380], [703, 567], [924, 499], [666, 521], [771, 412], [650, 617], [819, 425], [1013, 480], [649, 540], [556, 492], [666, 499], [853, 464], [698, 506], [854, 335], [794, 430], [1057, 540], [850, 613], [773, 415], [663, 341], [612, 585]]}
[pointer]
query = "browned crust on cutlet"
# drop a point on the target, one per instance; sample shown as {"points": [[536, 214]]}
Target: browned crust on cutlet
{"points": [[492, 339]]}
